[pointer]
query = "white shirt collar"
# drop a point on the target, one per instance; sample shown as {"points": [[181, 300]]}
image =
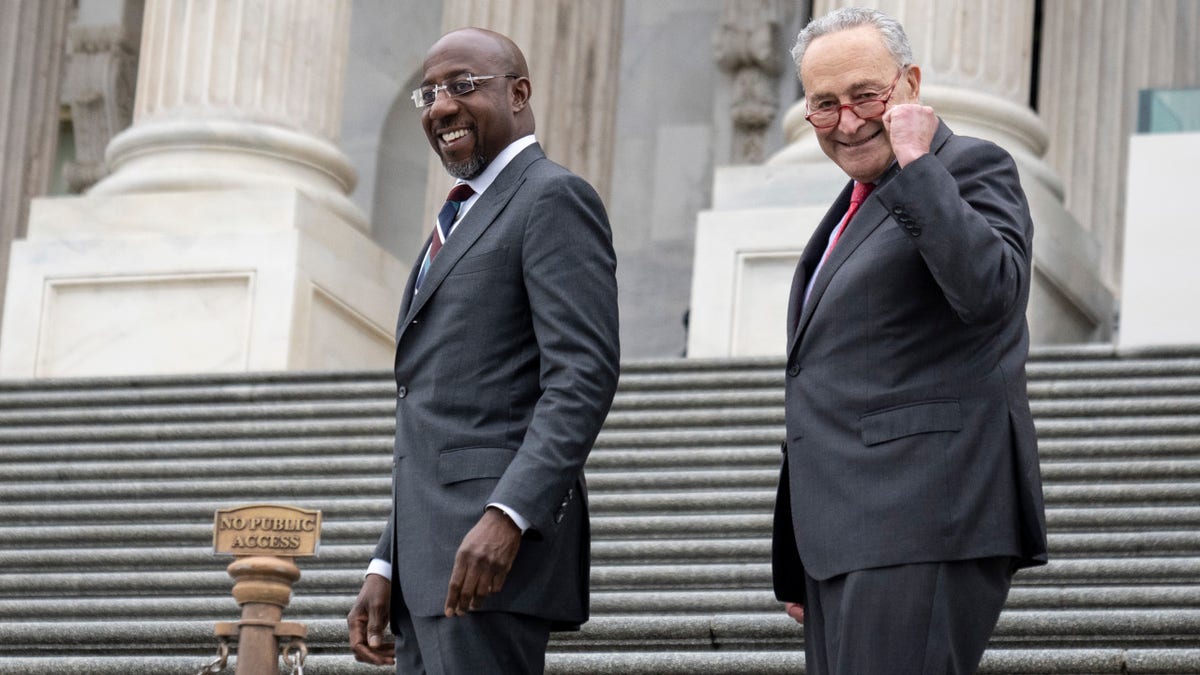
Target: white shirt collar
{"points": [[484, 180]]}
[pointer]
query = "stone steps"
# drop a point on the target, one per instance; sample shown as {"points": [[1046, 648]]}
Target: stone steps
{"points": [[108, 488]]}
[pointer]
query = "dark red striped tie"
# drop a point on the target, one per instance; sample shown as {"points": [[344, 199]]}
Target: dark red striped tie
{"points": [[454, 201], [458, 194]]}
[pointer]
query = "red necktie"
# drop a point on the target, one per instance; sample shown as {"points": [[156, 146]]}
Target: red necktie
{"points": [[857, 196]]}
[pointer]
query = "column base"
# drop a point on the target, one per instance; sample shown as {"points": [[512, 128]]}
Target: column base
{"points": [[196, 282]]}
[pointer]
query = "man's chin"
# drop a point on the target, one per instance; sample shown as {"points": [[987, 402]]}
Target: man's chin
{"points": [[864, 171], [466, 169]]}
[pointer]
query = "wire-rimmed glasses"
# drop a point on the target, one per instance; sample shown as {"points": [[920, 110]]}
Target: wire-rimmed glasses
{"points": [[462, 84]]}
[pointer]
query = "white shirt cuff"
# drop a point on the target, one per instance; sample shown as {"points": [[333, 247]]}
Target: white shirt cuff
{"points": [[381, 567], [516, 517]]}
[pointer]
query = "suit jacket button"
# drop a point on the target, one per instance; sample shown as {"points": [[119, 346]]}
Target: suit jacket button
{"points": [[898, 210], [793, 369], [402, 392]]}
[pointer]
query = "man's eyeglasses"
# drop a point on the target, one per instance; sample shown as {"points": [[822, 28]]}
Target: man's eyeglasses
{"points": [[464, 84], [829, 113]]}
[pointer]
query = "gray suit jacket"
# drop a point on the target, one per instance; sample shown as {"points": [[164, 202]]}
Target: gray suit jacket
{"points": [[506, 365], [909, 435]]}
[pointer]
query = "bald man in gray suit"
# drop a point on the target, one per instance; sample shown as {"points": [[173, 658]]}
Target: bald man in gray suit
{"points": [[910, 489], [506, 365]]}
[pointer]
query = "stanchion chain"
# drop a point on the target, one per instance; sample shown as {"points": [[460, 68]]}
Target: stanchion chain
{"points": [[297, 646], [218, 664]]}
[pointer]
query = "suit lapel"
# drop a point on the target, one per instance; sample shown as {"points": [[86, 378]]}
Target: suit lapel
{"points": [[809, 259], [472, 226], [870, 216]]}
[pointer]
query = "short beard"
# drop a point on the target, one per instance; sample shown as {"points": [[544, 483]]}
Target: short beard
{"points": [[466, 169]]}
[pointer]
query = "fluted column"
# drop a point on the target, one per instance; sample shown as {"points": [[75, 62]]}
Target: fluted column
{"points": [[975, 60], [573, 50], [976, 64], [237, 94], [223, 239], [32, 42], [1101, 54]]}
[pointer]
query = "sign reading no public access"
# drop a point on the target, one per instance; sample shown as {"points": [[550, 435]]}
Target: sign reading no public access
{"points": [[267, 529]]}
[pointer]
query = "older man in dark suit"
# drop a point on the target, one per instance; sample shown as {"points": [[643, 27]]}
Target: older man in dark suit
{"points": [[506, 365], [910, 490]]}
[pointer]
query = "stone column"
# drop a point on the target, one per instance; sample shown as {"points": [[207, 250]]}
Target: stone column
{"points": [[976, 64], [32, 35], [223, 238], [1101, 54], [573, 50], [239, 94]]}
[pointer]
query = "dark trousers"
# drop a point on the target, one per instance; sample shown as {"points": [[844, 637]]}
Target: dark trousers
{"points": [[480, 642], [923, 619]]}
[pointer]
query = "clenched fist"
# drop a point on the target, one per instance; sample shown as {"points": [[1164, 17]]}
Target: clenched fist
{"points": [[910, 128]]}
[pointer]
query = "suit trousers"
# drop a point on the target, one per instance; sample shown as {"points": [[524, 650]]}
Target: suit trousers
{"points": [[480, 642], [919, 619]]}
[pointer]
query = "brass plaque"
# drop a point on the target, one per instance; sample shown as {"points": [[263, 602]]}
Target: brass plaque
{"points": [[267, 529]]}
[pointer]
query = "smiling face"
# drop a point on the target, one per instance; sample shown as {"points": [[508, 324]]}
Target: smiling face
{"points": [[847, 67], [468, 131]]}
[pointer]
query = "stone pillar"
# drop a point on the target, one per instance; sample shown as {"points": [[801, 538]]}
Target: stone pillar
{"points": [[1100, 49], [222, 239], [239, 94], [976, 65], [573, 50], [32, 34]]}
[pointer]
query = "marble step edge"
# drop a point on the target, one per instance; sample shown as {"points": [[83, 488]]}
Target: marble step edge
{"points": [[1065, 661]]}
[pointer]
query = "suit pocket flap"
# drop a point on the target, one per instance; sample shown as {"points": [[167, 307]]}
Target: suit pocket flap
{"points": [[908, 420], [468, 463], [481, 261]]}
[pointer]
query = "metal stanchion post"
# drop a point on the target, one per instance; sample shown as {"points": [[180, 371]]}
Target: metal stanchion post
{"points": [[265, 538]]}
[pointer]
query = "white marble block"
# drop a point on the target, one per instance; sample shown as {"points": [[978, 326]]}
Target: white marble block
{"points": [[218, 281], [1160, 291], [747, 247]]}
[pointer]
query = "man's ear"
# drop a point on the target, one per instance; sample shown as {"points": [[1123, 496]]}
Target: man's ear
{"points": [[913, 78], [522, 89]]}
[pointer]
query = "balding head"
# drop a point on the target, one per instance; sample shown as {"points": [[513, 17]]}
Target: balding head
{"points": [[469, 130]]}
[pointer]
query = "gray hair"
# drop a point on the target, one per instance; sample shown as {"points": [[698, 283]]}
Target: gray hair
{"points": [[852, 17]]}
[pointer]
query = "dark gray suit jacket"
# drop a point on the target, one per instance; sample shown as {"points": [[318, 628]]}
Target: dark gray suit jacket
{"points": [[506, 365], [909, 435]]}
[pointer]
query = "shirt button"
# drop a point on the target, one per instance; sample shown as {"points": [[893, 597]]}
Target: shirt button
{"points": [[402, 392], [793, 369]]}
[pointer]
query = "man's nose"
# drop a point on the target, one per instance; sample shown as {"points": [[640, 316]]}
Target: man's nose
{"points": [[443, 104], [848, 122]]}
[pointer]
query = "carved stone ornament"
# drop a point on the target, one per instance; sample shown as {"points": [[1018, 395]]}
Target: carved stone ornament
{"points": [[748, 46], [98, 86]]}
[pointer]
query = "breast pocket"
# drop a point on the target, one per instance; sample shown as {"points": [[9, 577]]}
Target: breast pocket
{"points": [[480, 262], [910, 419]]}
